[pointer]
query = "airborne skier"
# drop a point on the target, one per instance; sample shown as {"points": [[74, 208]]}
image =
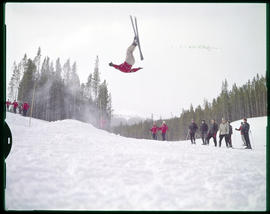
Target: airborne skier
{"points": [[129, 62], [126, 67]]}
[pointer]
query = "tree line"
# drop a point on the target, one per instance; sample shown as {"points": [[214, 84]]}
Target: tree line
{"points": [[54, 92], [249, 100]]}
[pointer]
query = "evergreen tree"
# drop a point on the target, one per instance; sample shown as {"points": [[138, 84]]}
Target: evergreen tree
{"points": [[27, 84], [96, 79], [249, 100]]}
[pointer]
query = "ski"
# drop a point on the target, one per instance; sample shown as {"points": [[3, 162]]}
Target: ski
{"points": [[133, 26], [138, 40], [135, 29]]}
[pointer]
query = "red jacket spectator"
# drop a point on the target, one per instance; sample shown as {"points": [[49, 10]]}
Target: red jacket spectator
{"points": [[125, 67], [25, 106], [15, 104], [8, 103], [154, 129], [240, 129], [163, 128]]}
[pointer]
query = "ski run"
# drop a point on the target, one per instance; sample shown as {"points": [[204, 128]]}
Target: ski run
{"points": [[70, 165]]}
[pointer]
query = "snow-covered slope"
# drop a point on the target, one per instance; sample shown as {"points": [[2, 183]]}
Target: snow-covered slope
{"points": [[70, 165]]}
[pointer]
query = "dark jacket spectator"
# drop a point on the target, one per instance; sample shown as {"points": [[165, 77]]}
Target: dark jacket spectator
{"points": [[192, 130]]}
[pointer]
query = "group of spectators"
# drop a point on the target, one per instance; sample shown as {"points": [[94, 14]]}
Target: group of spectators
{"points": [[163, 129], [22, 107], [225, 132]]}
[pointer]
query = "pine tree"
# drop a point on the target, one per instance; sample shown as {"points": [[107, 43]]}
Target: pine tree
{"points": [[96, 79], [27, 84], [103, 101], [88, 87], [75, 87]]}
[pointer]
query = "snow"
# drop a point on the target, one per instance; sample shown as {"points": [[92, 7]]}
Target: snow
{"points": [[70, 165]]}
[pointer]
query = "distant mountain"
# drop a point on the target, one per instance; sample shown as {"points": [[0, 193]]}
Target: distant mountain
{"points": [[117, 119]]}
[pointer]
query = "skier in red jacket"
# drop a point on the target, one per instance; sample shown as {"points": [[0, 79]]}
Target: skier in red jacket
{"points": [[129, 62], [154, 130], [15, 105], [25, 108], [163, 129]]}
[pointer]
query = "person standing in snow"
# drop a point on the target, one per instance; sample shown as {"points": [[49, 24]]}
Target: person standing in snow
{"points": [[203, 130], [212, 133], [230, 134], [164, 129], [192, 130], [242, 135], [15, 105], [223, 132], [25, 108], [130, 60], [154, 130], [245, 129], [20, 108]]}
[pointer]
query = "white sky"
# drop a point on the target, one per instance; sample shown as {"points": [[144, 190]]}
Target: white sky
{"points": [[173, 75]]}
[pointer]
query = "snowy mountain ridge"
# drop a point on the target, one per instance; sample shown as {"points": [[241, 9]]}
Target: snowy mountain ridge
{"points": [[71, 165]]}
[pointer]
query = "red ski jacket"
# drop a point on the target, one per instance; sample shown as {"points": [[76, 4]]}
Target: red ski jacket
{"points": [[154, 129], [240, 129], [126, 68], [15, 104], [25, 106], [8, 103], [163, 128]]}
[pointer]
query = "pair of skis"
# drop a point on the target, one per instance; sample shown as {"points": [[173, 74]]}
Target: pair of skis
{"points": [[135, 29]]}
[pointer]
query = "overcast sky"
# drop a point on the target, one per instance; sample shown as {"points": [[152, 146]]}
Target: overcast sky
{"points": [[189, 49]]}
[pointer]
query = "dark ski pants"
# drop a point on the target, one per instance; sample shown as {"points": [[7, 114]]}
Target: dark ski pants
{"points": [[192, 137], [226, 139], [209, 136], [154, 136], [163, 136], [246, 136], [24, 112], [14, 109], [204, 136], [230, 140]]}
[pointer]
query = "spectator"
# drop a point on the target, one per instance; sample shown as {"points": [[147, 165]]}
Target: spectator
{"points": [[25, 108], [230, 134], [15, 105], [223, 132], [154, 130], [242, 135], [245, 129], [20, 108], [164, 129], [192, 130], [203, 130], [212, 133]]}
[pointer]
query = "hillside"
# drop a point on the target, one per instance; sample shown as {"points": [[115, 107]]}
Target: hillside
{"points": [[70, 165]]}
